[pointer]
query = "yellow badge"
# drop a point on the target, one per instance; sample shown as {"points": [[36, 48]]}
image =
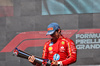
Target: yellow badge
{"points": [[50, 48], [63, 42]]}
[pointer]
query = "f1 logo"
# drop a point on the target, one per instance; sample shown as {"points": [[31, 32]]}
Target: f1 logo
{"points": [[32, 39]]}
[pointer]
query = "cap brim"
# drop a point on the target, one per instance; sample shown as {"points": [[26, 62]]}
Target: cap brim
{"points": [[50, 32]]}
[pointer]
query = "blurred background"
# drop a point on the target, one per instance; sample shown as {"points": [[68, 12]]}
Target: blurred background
{"points": [[23, 24]]}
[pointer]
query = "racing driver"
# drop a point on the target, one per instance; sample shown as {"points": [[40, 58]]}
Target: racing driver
{"points": [[60, 50]]}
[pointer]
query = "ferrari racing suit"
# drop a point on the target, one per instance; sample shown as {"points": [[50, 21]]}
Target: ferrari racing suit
{"points": [[63, 50]]}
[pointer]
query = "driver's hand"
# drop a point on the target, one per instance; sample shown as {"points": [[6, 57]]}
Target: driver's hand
{"points": [[54, 63], [31, 59]]}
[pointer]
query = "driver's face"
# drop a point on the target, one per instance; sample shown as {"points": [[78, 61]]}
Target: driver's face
{"points": [[55, 35]]}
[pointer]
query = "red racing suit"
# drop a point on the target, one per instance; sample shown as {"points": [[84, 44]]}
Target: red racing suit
{"points": [[63, 50]]}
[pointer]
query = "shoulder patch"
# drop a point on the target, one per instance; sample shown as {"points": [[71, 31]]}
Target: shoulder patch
{"points": [[63, 42]]}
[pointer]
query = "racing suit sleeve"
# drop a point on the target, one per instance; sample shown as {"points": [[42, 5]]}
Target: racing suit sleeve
{"points": [[72, 53], [45, 51]]}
